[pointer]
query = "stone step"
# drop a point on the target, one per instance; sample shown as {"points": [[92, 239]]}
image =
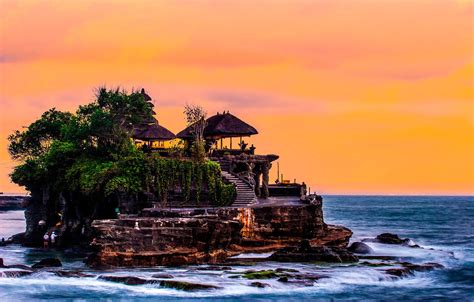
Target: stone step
{"points": [[245, 194]]}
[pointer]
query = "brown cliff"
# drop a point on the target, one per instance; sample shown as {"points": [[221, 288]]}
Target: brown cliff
{"points": [[196, 236]]}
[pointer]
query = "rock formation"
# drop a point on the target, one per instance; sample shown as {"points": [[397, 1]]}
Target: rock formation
{"points": [[196, 236]]}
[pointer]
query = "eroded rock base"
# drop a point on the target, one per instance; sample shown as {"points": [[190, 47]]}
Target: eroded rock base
{"points": [[195, 236]]}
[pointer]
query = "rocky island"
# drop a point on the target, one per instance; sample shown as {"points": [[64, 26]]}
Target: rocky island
{"points": [[112, 179]]}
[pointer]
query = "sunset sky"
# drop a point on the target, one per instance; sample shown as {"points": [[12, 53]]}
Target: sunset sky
{"points": [[357, 97]]}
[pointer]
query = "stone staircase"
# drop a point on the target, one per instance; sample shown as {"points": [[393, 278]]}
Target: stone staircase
{"points": [[245, 194], [224, 163]]}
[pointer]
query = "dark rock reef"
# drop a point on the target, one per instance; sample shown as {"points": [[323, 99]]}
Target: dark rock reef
{"points": [[48, 262], [408, 269], [308, 253]]}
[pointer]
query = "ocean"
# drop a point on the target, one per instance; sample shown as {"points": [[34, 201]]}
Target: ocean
{"points": [[442, 226]]}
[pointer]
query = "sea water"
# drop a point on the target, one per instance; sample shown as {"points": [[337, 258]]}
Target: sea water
{"points": [[443, 226]]}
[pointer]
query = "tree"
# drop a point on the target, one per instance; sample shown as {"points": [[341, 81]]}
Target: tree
{"points": [[37, 138], [196, 119], [77, 164]]}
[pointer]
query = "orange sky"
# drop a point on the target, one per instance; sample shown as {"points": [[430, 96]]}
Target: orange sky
{"points": [[355, 96]]}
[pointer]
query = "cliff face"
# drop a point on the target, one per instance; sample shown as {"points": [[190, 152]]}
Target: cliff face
{"points": [[177, 237]]}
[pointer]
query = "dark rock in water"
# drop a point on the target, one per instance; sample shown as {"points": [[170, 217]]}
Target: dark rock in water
{"points": [[307, 253], [259, 284], [186, 286], [399, 272], [214, 268], [1, 262], [312, 277], [128, 280], [389, 238], [72, 274], [15, 274], [429, 266], [360, 248], [48, 262], [234, 277], [19, 266], [17, 238], [282, 270], [376, 257], [265, 274], [375, 264], [163, 276], [408, 269], [296, 282]]}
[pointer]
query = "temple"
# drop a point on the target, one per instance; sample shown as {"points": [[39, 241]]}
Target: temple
{"points": [[224, 136]]}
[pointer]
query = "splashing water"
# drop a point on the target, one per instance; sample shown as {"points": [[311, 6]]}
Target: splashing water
{"points": [[443, 226]]}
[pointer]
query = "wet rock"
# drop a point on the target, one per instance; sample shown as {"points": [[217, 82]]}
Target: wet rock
{"points": [[186, 286], [17, 238], [214, 268], [19, 266], [312, 277], [375, 264], [72, 274], [399, 272], [389, 238], [1, 262], [128, 280], [307, 253], [15, 274], [370, 257], [429, 266], [259, 284], [48, 262], [335, 236], [234, 262], [408, 269], [289, 270], [296, 282], [360, 248], [163, 276], [265, 274], [234, 277]]}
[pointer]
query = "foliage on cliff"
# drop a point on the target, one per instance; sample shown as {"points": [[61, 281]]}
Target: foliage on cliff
{"points": [[169, 173], [87, 161], [97, 133]]}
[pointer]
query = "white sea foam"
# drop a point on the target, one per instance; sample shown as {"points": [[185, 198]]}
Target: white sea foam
{"points": [[252, 255]]}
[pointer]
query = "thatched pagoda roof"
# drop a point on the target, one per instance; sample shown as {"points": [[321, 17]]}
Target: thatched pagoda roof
{"points": [[222, 125], [152, 132]]}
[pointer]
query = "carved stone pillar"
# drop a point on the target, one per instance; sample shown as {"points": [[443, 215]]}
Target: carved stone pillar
{"points": [[265, 178], [257, 173]]}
